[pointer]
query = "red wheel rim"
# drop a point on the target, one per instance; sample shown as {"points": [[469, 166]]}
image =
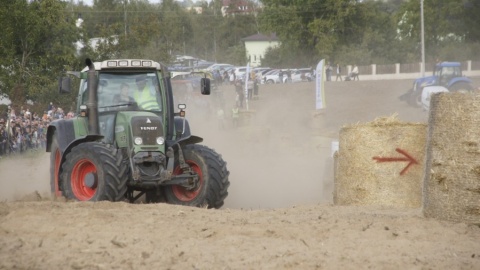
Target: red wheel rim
{"points": [[58, 158], [79, 172], [184, 194]]}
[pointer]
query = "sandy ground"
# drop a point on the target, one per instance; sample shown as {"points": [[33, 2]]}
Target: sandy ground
{"points": [[278, 215]]}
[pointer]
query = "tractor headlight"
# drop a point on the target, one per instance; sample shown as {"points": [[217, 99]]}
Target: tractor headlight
{"points": [[160, 140], [138, 140]]}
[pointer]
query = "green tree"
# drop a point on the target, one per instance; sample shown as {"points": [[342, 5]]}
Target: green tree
{"points": [[339, 30], [444, 23], [37, 44]]}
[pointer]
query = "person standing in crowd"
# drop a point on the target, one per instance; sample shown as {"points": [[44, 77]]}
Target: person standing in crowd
{"points": [[225, 77], [232, 77], [235, 116], [240, 94], [289, 76], [217, 77], [255, 89], [280, 76], [221, 118], [41, 135], [28, 114], [249, 88], [329, 72], [354, 73], [339, 72], [11, 111], [3, 138], [253, 77], [71, 114]]}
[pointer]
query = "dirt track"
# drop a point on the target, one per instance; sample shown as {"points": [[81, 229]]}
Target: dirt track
{"points": [[278, 214]]}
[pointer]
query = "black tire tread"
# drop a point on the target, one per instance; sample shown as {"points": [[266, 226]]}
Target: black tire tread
{"points": [[115, 170], [53, 148], [217, 168], [215, 178]]}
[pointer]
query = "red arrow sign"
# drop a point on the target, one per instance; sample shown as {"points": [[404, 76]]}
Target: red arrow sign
{"points": [[407, 157]]}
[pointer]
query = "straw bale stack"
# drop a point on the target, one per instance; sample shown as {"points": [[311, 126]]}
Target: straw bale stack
{"points": [[362, 180], [452, 178]]}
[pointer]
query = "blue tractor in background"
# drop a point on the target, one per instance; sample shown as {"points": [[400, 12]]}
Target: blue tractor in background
{"points": [[446, 74]]}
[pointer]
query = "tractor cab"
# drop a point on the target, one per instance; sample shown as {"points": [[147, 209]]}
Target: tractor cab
{"points": [[123, 95], [446, 71]]}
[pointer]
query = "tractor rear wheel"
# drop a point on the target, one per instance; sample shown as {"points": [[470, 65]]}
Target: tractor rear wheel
{"points": [[94, 171], [55, 159], [461, 87], [213, 182]]}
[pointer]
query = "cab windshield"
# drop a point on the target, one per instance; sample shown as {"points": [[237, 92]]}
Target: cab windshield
{"points": [[119, 90]]}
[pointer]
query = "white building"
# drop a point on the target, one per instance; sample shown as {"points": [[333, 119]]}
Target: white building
{"points": [[256, 46]]}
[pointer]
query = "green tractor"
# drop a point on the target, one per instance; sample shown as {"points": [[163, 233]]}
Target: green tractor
{"points": [[128, 142]]}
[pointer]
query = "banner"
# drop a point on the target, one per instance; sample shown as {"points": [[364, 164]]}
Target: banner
{"points": [[247, 77], [320, 94]]}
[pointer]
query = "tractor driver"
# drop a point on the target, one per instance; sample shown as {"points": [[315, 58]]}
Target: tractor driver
{"points": [[144, 97]]}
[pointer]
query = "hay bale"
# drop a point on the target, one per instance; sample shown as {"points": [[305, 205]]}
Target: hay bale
{"points": [[360, 179], [452, 177]]}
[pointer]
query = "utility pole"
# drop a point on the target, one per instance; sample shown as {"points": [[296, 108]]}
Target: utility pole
{"points": [[125, 15], [423, 39]]}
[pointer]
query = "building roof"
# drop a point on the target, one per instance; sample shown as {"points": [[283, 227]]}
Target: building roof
{"points": [[261, 37]]}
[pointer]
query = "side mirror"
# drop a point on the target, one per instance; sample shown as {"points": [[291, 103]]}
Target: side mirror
{"points": [[64, 85], [205, 86]]}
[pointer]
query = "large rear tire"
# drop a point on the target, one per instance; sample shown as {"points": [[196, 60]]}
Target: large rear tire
{"points": [[55, 159], [213, 179], [462, 87], [94, 171]]}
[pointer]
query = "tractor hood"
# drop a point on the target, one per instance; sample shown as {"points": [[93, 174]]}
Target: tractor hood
{"points": [[144, 131], [425, 81]]}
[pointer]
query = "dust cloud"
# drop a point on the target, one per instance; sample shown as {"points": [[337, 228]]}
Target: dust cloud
{"points": [[25, 177], [280, 154]]}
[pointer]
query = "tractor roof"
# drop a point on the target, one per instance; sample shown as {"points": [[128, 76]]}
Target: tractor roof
{"points": [[449, 64], [126, 64]]}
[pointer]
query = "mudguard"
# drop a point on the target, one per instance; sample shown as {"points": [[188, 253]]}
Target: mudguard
{"points": [[186, 137], [66, 130], [459, 79], [179, 127], [66, 139]]}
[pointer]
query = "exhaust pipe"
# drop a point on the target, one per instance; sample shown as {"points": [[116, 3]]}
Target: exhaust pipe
{"points": [[92, 104]]}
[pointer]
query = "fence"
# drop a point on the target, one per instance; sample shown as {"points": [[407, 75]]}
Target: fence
{"points": [[408, 71]]}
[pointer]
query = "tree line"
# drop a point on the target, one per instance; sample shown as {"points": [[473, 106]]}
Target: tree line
{"points": [[39, 37]]}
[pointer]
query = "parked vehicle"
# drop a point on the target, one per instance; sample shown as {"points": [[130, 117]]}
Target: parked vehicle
{"points": [[240, 72], [302, 75], [446, 74], [219, 67], [259, 72], [272, 77]]}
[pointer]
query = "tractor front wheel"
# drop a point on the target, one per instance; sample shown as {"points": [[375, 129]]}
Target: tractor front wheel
{"points": [[211, 169], [415, 98], [94, 171]]}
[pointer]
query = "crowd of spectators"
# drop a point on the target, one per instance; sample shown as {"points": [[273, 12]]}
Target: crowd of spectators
{"points": [[22, 130]]}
